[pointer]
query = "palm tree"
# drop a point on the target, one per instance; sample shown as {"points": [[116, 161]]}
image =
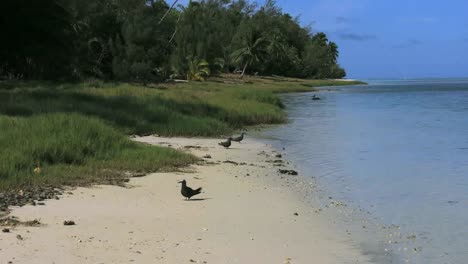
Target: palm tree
{"points": [[198, 70], [254, 51], [333, 50], [320, 38], [276, 46]]}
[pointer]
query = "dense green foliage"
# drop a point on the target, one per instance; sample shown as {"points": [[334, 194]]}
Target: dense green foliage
{"points": [[151, 40]]}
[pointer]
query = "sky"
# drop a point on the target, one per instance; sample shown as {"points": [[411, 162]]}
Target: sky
{"points": [[391, 39]]}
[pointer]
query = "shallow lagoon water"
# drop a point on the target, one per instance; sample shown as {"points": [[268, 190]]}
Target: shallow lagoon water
{"points": [[398, 149]]}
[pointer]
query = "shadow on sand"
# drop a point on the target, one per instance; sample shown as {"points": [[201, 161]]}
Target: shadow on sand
{"points": [[198, 199]]}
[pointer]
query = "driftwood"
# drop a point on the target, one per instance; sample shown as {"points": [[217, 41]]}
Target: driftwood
{"points": [[177, 81]]}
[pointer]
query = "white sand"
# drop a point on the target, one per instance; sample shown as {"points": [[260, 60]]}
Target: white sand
{"points": [[239, 219]]}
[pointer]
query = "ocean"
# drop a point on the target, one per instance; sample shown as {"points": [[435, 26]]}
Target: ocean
{"points": [[395, 149]]}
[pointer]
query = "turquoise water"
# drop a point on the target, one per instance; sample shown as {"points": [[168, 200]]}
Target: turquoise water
{"points": [[398, 149]]}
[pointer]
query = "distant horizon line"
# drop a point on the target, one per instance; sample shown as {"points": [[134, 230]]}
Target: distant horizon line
{"points": [[407, 79]]}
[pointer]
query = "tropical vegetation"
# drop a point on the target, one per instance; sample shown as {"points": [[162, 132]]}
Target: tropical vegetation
{"points": [[153, 40], [77, 77]]}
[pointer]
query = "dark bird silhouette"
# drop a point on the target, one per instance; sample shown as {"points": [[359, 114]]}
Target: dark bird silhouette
{"points": [[315, 97], [239, 138], [188, 192], [226, 144]]}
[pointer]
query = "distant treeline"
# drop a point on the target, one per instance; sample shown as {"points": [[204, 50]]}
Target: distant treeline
{"points": [[147, 41]]}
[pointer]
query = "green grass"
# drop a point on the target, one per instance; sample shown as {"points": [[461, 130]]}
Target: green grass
{"points": [[76, 132], [194, 109], [73, 149]]}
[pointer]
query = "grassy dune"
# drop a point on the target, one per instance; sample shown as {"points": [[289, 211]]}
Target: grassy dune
{"points": [[77, 133]]}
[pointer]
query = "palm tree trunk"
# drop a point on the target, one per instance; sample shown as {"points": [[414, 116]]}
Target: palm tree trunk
{"points": [[173, 35], [168, 11], [243, 71], [175, 31]]}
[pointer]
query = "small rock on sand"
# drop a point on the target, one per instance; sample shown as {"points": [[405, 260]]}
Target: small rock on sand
{"points": [[68, 222], [289, 172]]}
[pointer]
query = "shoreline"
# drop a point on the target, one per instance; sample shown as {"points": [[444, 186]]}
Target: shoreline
{"points": [[350, 220], [79, 110], [246, 214]]}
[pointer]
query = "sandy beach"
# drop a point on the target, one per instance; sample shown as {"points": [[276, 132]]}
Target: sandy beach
{"points": [[248, 212]]}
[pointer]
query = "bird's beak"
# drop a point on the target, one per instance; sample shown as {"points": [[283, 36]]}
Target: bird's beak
{"points": [[179, 182]]}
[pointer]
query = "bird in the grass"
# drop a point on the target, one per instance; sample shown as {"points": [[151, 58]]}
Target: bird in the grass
{"points": [[239, 138], [226, 144], [188, 192], [37, 169]]}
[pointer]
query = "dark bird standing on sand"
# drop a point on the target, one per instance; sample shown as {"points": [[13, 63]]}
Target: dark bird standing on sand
{"points": [[188, 192], [239, 138], [226, 144]]}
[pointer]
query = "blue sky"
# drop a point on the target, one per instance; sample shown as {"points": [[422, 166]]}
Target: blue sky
{"points": [[391, 38]]}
